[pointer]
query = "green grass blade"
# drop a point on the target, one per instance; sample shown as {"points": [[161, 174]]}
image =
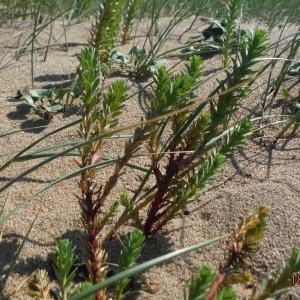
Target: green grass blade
{"points": [[37, 142], [54, 182]]}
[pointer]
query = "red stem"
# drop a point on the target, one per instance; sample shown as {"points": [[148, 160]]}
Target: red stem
{"points": [[151, 218], [216, 286], [92, 239], [155, 206]]}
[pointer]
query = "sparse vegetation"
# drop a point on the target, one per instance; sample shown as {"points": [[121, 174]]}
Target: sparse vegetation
{"points": [[139, 171]]}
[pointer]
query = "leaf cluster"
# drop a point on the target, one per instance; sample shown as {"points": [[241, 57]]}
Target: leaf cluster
{"points": [[104, 31], [131, 250], [63, 261]]}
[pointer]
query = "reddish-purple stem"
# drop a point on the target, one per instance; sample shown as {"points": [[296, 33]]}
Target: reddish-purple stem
{"points": [[172, 169], [92, 238]]}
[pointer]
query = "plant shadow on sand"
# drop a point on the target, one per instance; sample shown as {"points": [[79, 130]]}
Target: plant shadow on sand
{"points": [[54, 77], [58, 81], [26, 266], [21, 113]]}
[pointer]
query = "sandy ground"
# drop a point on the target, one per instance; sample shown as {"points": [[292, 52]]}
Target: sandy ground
{"points": [[253, 177]]}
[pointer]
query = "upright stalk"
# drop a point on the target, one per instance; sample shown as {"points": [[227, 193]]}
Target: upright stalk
{"points": [[95, 257], [36, 12]]}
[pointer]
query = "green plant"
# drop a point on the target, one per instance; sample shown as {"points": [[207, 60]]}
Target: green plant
{"points": [[135, 62], [130, 12], [220, 37], [144, 61], [63, 262], [82, 287], [95, 122], [244, 242], [131, 250], [251, 50], [199, 285], [233, 8], [192, 157], [43, 101], [105, 30]]}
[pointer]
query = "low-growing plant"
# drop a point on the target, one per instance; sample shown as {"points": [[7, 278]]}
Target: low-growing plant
{"points": [[134, 63], [194, 149], [222, 37], [48, 102], [143, 60], [187, 142], [40, 285], [44, 102], [63, 262], [95, 122], [131, 251], [189, 163]]}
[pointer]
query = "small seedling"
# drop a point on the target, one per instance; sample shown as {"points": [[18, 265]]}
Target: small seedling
{"points": [[40, 283], [63, 263], [131, 251]]}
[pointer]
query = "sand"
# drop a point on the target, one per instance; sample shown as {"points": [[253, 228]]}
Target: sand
{"points": [[253, 177]]}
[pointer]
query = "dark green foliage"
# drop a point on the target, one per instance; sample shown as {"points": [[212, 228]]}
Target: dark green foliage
{"points": [[234, 87], [170, 94], [131, 250], [130, 13], [236, 138], [233, 10], [113, 102], [105, 30], [226, 293], [252, 49], [63, 261], [200, 284], [192, 163], [82, 287]]}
